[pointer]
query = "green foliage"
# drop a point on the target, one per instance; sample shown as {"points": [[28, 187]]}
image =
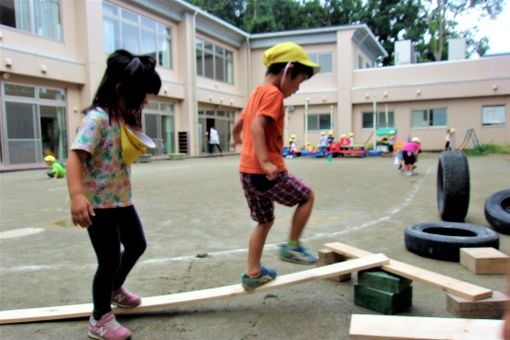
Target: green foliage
{"points": [[486, 149], [428, 23]]}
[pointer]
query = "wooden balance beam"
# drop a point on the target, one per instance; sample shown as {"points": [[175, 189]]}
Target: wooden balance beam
{"points": [[180, 299], [453, 286], [367, 326]]}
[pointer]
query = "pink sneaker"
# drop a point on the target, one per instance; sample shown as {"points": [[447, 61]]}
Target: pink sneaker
{"points": [[125, 299], [107, 328]]}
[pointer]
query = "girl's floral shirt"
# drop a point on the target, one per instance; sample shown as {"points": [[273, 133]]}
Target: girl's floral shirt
{"points": [[105, 178]]}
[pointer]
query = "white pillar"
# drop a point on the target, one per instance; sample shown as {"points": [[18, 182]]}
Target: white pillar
{"points": [[306, 122], [374, 102]]}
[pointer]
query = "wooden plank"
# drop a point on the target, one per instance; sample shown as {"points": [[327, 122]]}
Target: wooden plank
{"points": [[485, 260], [446, 283], [491, 308], [180, 299], [364, 326]]}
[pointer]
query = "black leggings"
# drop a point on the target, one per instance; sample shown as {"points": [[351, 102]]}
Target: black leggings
{"points": [[110, 228]]}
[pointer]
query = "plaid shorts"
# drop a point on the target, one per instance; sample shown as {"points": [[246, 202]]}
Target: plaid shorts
{"points": [[261, 194]]}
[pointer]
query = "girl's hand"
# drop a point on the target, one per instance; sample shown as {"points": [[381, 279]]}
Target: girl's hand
{"points": [[81, 211]]}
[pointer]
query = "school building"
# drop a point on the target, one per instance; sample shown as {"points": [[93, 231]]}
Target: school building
{"points": [[53, 53]]}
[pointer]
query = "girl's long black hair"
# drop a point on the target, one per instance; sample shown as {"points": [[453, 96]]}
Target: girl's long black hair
{"points": [[127, 80]]}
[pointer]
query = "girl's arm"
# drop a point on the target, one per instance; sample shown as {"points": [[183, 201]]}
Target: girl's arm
{"points": [[259, 142], [81, 210]]}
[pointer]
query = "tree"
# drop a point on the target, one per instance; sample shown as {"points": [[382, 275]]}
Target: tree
{"points": [[428, 23], [392, 20], [443, 22]]}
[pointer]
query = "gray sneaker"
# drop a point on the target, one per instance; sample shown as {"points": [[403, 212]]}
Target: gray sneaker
{"points": [[298, 254]]}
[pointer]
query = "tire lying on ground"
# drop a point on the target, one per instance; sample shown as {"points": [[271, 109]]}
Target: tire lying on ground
{"points": [[497, 211], [452, 186], [443, 240]]}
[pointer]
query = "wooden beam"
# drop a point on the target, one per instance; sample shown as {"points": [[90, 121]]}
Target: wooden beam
{"points": [[448, 284], [180, 299], [365, 326]]}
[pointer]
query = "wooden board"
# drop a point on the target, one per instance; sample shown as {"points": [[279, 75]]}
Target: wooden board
{"points": [[485, 260], [364, 326], [491, 308], [180, 299], [451, 285]]}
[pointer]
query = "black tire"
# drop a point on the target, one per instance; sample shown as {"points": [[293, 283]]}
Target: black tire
{"points": [[497, 211], [442, 241], [452, 186]]}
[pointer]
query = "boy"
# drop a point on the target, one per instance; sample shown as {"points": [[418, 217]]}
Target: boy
{"points": [[57, 170], [264, 176]]}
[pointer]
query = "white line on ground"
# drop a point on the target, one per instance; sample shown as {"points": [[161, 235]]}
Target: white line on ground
{"points": [[395, 210]]}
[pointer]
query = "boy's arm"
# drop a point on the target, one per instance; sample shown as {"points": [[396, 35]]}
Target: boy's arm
{"points": [[259, 142], [236, 131], [81, 210]]}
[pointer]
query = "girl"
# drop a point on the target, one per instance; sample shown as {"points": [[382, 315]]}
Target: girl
{"points": [[99, 185]]}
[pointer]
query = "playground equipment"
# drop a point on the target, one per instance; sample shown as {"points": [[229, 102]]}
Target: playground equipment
{"points": [[469, 137], [180, 299]]}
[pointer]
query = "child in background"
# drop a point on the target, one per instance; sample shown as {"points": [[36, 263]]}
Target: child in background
{"points": [[323, 143], [264, 176], [410, 153], [57, 169], [99, 185], [351, 139], [447, 140]]}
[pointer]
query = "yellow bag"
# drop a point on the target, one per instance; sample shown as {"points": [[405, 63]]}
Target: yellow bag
{"points": [[132, 145]]}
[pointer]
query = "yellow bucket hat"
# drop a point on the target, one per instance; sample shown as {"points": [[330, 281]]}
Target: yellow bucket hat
{"points": [[50, 159], [134, 144], [288, 52]]}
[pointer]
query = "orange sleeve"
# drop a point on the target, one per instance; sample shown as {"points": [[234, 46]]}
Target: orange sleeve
{"points": [[271, 104]]}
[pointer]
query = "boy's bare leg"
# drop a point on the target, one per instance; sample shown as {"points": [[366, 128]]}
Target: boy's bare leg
{"points": [[256, 246], [301, 215]]}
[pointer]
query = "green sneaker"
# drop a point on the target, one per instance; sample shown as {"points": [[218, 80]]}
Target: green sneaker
{"points": [[299, 254], [266, 275]]}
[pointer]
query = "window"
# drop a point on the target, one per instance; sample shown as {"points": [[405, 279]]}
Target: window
{"points": [[384, 120], [41, 17], [159, 125], [214, 62], [222, 120], [493, 115], [360, 61], [33, 123], [137, 34], [428, 117], [324, 60], [320, 121]]}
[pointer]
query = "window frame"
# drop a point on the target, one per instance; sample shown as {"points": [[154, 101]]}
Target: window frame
{"points": [[316, 57], [389, 119], [318, 117], [502, 123], [120, 19], [32, 21], [430, 118], [203, 48]]}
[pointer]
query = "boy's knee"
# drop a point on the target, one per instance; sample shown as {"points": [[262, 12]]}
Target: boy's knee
{"points": [[311, 198], [267, 225]]}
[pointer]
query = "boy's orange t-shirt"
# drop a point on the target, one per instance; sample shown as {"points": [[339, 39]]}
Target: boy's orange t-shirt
{"points": [[266, 100]]}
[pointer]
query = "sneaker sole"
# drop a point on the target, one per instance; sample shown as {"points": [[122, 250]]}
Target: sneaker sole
{"points": [[98, 337], [296, 261], [92, 336], [246, 287], [124, 306]]}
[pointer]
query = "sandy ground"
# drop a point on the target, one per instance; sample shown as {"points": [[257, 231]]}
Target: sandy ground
{"points": [[196, 206]]}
